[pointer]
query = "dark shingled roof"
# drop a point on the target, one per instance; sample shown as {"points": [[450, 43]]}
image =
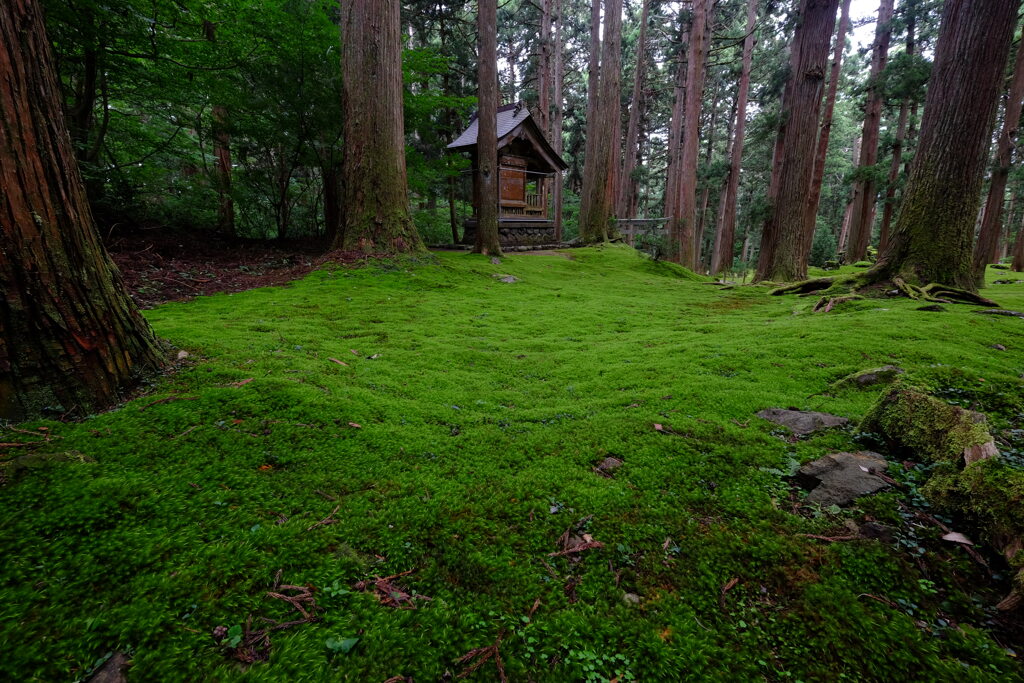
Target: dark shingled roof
{"points": [[510, 118]]}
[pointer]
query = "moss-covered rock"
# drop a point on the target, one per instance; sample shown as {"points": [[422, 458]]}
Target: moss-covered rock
{"points": [[886, 374], [911, 420], [989, 494]]}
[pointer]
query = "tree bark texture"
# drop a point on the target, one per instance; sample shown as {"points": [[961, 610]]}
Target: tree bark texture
{"points": [[725, 237], [71, 339], [864, 209], [782, 239], [638, 103], [377, 217], [599, 189], [487, 239], [825, 131], [934, 229], [1018, 251], [683, 226], [986, 250]]}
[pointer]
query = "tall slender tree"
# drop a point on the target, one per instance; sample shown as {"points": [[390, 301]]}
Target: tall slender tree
{"points": [[487, 238], [986, 250], [725, 236], [889, 206], [374, 183], [628, 185], [863, 213], [683, 226], [555, 133], [825, 131], [597, 207], [70, 337], [934, 229], [782, 239]]}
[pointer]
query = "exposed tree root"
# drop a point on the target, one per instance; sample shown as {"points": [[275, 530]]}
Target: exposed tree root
{"points": [[844, 287]]}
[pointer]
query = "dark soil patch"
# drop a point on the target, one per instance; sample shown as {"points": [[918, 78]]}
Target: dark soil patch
{"points": [[161, 264]]}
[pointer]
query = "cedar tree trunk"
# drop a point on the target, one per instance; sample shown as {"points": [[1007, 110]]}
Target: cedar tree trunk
{"points": [[932, 235], [628, 185], [986, 251], [556, 119], [71, 339], [889, 206], [825, 132], [487, 239], [373, 173], [782, 240], [721, 258], [864, 208]]}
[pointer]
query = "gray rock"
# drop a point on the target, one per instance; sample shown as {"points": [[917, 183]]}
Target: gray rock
{"points": [[506, 278], [113, 670], [802, 422], [606, 466], [495, 260], [841, 478], [631, 599]]}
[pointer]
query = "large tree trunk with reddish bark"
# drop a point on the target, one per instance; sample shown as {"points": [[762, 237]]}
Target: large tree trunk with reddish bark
{"points": [[71, 340], [682, 227], [825, 132], [782, 239], [721, 258], [986, 250], [934, 229], [1018, 251], [863, 214], [487, 238], [628, 185], [374, 180], [597, 207]]}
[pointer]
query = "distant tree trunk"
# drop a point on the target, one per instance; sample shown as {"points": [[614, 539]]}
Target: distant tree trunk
{"points": [[487, 238], [889, 207], [598, 202], [556, 119], [544, 71], [376, 202], [721, 259], [705, 194], [782, 239], [932, 235], [628, 185], [222, 153], [844, 230], [1018, 251], [825, 132], [674, 149], [332, 200], [864, 209], [987, 248], [593, 96], [71, 340], [683, 226]]}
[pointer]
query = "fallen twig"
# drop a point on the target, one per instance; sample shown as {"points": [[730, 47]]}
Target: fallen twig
{"points": [[329, 519], [831, 538], [482, 655], [586, 545]]}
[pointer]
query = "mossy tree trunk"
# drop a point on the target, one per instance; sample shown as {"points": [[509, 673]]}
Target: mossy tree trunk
{"points": [[782, 240], [986, 251], [487, 238], [70, 337], [374, 180], [932, 237]]}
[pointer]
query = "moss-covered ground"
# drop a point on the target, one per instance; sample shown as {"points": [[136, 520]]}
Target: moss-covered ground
{"points": [[457, 438]]}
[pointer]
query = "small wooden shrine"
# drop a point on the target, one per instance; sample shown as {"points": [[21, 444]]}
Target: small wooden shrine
{"points": [[528, 167]]}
